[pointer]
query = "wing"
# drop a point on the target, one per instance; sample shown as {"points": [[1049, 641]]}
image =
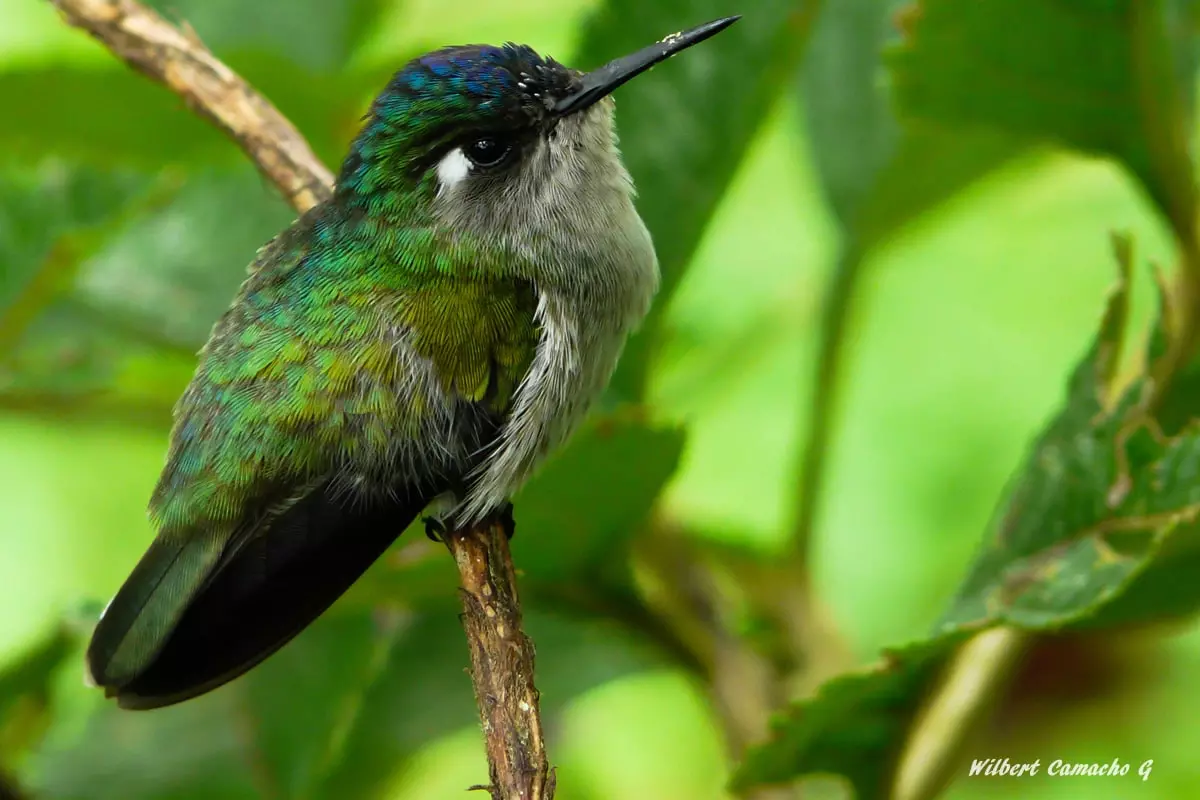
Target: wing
{"points": [[333, 402], [195, 614]]}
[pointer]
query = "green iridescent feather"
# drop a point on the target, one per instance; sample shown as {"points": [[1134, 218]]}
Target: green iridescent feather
{"points": [[297, 373]]}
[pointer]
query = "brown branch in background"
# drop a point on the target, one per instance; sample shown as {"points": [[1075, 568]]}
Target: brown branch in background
{"points": [[502, 659], [501, 654], [178, 60], [750, 626], [743, 685]]}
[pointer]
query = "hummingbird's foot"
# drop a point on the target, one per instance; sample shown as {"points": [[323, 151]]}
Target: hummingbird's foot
{"points": [[435, 529]]}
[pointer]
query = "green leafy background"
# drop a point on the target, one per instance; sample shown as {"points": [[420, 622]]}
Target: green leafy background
{"points": [[953, 169]]}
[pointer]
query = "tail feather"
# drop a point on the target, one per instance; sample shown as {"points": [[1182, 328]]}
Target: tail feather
{"points": [[192, 616]]}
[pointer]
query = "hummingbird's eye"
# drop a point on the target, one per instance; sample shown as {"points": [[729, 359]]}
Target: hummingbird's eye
{"points": [[487, 151]]}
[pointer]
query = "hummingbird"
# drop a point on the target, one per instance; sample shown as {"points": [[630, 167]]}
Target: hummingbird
{"points": [[412, 347]]}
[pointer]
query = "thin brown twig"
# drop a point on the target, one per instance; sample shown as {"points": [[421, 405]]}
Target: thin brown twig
{"points": [[502, 664], [709, 593], [501, 654], [743, 686]]}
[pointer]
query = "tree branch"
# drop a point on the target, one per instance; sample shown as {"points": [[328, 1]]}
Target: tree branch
{"points": [[501, 654], [502, 659]]}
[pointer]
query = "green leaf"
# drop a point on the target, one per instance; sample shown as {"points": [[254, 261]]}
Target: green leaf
{"points": [[73, 363], [567, 526], [52, 350], [877, 173], [275, 732], [293, 54], [931, 164], [852, 132], [854, 726], [25, 695], [1097, 75], [573, 548], [191, 751], [110, 114], [1089, 515], [102, 115], [40, 205], [685, 126], [172, 272], [421, 693], [140, 298], [1183, 22], [302, 701], [1165, 590], [315, 34]]}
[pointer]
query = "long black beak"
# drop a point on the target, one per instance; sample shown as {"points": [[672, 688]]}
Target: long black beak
{"points": [[603, 81]]}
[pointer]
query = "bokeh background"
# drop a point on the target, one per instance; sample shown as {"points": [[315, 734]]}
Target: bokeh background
{"points": [[125, 227]]}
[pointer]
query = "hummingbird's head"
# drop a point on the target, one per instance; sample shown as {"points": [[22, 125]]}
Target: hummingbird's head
{"points": [[496, 139]]}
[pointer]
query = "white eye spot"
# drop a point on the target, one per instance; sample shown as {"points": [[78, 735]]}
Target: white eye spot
{"points": [[453, 168]]}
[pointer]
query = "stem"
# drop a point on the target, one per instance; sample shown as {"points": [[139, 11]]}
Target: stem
{"points": [[501, 654], [1171, 183], [975, 682], [502, 663], [835, 320]]}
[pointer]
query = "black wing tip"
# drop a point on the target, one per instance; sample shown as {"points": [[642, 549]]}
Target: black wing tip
{"points": [[151, 688], [132, 701], [241, 615], [97, 664], [94, 677], [161, 687], [131, 696]]}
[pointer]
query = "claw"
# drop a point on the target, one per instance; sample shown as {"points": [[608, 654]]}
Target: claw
{"points": [[435, 530], [505, 517]]}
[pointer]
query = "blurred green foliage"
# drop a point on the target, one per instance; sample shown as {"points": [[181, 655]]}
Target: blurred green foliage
{"points": [[921, 191]]}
